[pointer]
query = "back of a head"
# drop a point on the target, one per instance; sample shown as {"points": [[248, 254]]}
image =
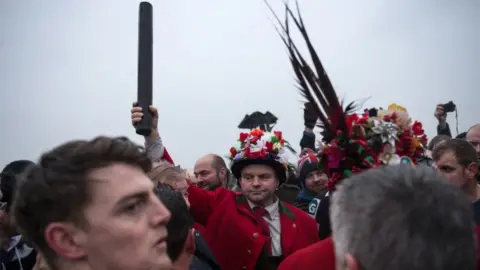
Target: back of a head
{"points": [[436, 140], [57, 188], [398, 217], [9, 177], [180, 223], [166, 174]]}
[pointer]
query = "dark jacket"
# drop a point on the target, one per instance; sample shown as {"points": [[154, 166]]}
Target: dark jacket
{"points": [[203, 258], [18, 256], [444, 131], [287, 193]]}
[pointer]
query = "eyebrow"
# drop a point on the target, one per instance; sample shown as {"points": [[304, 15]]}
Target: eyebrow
{"points": [[137, 195]]}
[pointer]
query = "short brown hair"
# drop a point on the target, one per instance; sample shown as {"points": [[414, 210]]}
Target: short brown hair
{"points": [[167, 174], [463, 151], [57, 188]]}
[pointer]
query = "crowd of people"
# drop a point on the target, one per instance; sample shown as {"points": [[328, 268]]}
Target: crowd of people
{"points": [[372, 193]]}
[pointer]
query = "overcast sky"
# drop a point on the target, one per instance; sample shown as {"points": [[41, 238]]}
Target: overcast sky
{"points": [[68, 68]]}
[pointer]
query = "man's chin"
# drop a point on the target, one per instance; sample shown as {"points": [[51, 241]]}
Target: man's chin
{"points": [[257, 197]]}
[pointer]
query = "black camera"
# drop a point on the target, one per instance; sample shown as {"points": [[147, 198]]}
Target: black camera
{"points": [[449, 107]]}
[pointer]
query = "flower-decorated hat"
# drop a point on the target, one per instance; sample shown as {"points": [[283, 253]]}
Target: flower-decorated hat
{"points": [[259, 147], [352, 142]]}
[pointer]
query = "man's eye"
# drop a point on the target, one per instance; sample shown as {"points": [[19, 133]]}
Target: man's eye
{"points": [[134, 207]]}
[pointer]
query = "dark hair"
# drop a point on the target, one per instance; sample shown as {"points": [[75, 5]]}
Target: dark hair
{"points": [[9, 178], [181, 220], [463, 151], [436, 140], [462, 136], [57, 188], [398, 217]]}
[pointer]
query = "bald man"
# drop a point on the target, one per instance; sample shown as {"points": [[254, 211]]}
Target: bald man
{"points": [[211, 172], [473, 137]]}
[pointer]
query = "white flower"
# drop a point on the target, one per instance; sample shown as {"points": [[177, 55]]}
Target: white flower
{"points": [[387, 131]]}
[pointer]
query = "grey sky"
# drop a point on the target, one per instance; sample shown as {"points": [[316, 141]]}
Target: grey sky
{"points": [[68, 68]]}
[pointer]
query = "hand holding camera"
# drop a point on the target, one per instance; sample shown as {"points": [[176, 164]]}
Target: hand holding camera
{"points": [[442, 109]]}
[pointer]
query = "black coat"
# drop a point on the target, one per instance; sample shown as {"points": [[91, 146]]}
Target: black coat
{"points": [[203, 258]]}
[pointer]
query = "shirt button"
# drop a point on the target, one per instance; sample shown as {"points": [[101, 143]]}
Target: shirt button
{"points": [[244, 267], [249, 252], [255, 235], [294, 225]]}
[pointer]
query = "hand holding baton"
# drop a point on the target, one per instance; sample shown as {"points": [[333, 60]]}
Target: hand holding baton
{"points": [[145, 67]]}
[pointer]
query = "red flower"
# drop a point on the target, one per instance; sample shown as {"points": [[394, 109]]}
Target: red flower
{"points": [[233, 151], [351, 120], [332, 182], [257, 132], [417, 128], [278, 134], [269, 146], [247, 152], [243, 137]]}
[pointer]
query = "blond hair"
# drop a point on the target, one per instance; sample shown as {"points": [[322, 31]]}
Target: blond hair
{"points": [[167, 174]]}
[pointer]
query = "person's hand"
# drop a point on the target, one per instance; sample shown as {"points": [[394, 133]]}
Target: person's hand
{"points": [[137, 114], [440, 114]]}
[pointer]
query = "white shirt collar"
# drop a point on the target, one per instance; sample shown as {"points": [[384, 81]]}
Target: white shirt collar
{"points": [[272, 209]]}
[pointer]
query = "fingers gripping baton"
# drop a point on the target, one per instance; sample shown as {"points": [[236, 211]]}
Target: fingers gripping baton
{"points": [[145, 65]]}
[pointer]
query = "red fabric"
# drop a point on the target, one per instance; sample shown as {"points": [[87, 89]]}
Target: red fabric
{"points": [[233, 233], [261, 212], [166, 156], [198, 227], [321, 256]]}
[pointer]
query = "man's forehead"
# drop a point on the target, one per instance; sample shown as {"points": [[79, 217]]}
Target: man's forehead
{"points": [[447, 158], [203, 163], [473, 133], [115, 182], [257, 169]]}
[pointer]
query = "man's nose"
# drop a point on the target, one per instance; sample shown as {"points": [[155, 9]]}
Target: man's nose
{"points": [[477, 148], [256, 181], [160, 213]]}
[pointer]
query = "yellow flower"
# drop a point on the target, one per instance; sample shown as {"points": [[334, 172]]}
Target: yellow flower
{"points": [[415, 144], [396, 108]]}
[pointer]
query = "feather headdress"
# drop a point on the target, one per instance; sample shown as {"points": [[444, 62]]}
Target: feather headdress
{"points": [[352, 143]]}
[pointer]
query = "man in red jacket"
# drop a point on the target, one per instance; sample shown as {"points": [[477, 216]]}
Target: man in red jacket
{"points": [[394, 218], [253, 229]]}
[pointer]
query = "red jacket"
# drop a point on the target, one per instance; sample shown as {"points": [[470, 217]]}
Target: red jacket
{"points": [[234, 236], [166, 156], [321, 256]]}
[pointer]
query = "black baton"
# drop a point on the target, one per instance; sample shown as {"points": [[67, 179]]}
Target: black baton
{"points": [[145, 62]]}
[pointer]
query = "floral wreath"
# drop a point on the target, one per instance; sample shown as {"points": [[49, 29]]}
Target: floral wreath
{"points": [[258, 144], [376, 137]]}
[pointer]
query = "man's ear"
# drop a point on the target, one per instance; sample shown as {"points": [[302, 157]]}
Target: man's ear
{"points": [[472, 170], [222, 173], [66, 240]]}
